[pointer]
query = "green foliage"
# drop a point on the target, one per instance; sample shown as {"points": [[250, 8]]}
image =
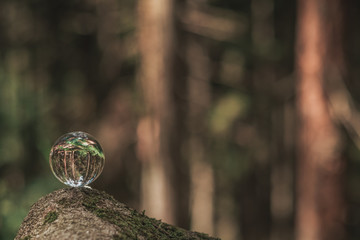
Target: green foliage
{"points": [[227, 110]]}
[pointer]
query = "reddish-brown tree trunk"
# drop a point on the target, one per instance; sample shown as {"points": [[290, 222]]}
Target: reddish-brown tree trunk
{"points": [[160, 132], [320, 199]]}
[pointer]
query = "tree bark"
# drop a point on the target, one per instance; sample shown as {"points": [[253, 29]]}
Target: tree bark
{"points": [[320, 178], [85, 213]]}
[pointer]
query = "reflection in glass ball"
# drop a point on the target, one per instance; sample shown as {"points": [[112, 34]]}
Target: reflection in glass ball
{"points": [[76, 159]]}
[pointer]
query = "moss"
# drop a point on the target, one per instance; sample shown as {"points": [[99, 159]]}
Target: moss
{"points": [[135, 224], [50, 217], [62, 201], [91, 202], [26, 238], [116, 237], [110, 216], [127, 223], [203, 235], [121, 237]]}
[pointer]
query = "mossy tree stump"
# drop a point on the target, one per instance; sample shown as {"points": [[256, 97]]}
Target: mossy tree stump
{"points": [[84, 213]]}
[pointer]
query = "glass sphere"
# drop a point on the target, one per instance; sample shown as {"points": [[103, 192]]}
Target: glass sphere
{"points": [[76, 159]]}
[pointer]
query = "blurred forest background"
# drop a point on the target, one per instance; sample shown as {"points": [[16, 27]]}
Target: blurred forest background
{"points": [[201, 106]]}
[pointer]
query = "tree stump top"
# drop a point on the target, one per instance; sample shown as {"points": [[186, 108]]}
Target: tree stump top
{"points": [[85, 213]]}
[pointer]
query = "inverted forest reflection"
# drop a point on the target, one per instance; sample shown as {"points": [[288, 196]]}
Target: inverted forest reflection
{"points": [[204, 110]]}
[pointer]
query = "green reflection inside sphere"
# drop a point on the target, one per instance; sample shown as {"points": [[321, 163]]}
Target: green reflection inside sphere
{"points": [[76, 159]]}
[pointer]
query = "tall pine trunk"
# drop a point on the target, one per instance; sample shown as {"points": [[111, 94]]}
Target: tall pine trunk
{"points": [[165, 184], [320, 200]]}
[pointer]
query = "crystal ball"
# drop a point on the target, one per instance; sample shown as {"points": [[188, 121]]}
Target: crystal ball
{"points": [[76, 159]]}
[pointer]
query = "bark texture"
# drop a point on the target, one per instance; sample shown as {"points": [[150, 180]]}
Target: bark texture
{"points": [[84, 213]]}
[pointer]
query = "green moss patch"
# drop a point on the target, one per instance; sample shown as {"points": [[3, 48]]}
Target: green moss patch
{"points": [[50, 217], [26, 238], [121, 237], [135, 224]]}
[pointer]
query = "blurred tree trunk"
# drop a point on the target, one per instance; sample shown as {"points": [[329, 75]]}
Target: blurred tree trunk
{"points": [[320, 189], [201, 171], [275, 165], [282, 173], [255, 212], [165, 184]]}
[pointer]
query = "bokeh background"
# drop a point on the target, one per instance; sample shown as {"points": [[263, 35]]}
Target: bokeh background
{"points": [[194, 103]]}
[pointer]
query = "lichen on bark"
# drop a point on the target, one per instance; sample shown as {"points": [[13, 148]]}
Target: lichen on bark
{"points": [[84, 213]]}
